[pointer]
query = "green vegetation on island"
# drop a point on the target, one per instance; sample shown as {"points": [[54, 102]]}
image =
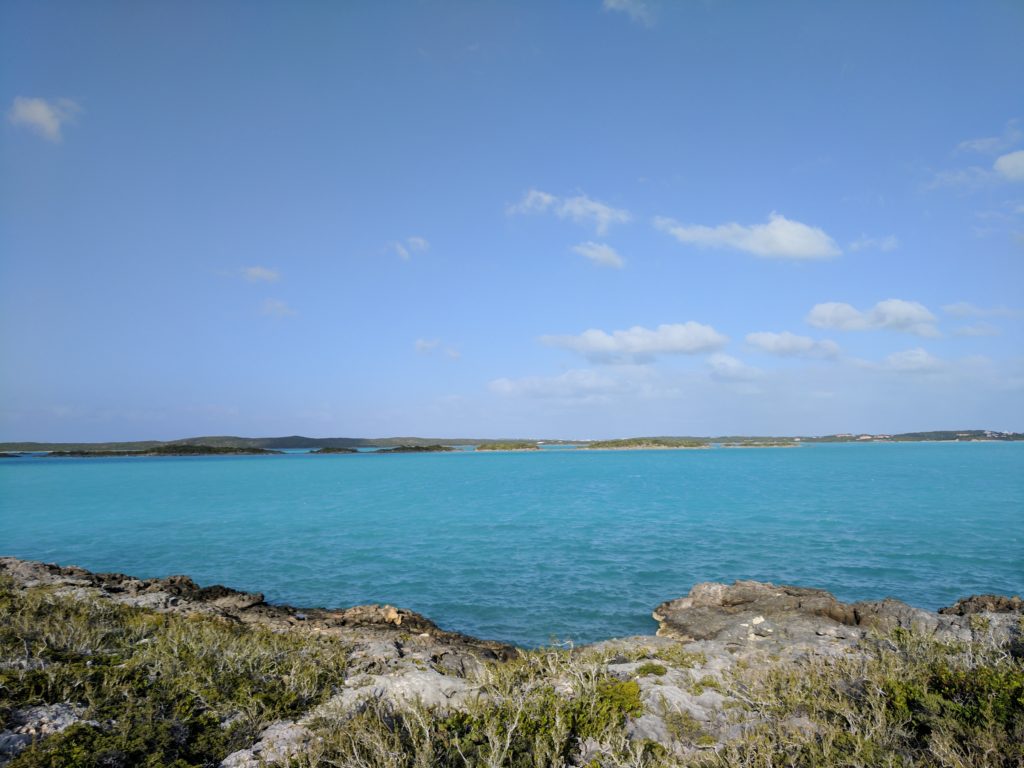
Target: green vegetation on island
{"points": [[174, 449], [760, 443], [511, 445], [635, 443], [330, 450], [300, 442], [417, 449]]}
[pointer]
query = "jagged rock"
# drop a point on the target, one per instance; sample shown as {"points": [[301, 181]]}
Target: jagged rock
{"points": [[410, 686], [370, 626], [749, 611], [789, 618], [984, 604], [25, 726], [278, 744]]}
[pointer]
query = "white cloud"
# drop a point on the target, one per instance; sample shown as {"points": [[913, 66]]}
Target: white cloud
{"points": [[991, 144], [580, 209], [577, 384], [600, 253], [728, 368], [533, 201], [915, 360], [978, 329], [257, 274], [276, 308], [637, 10], [45, 117], [966, 309], [780, 238], [639, 343], [864, 243], [971, 178], [1010, 166], [405, 248], [891, 314], [788, 344], [429, 346]]}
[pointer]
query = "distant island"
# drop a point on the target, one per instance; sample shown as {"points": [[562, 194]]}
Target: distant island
{"points": [[417, 449], [646, 443], [177, 449], [228, 445], [511, 445]]}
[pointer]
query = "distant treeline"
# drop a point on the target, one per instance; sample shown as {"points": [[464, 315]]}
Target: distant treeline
{"points": [[256, 444]]}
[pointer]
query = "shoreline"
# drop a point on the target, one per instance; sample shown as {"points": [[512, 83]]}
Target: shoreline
{"points": [[747, 669], [179, 593]]}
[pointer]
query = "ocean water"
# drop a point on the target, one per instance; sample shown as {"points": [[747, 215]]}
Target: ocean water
{"points": [[534, 547]]}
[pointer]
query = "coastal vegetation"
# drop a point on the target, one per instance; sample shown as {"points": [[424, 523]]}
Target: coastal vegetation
{"points": [[162, 688], [634, 443], [330, 450], [174, 449], [298, 441], [509, 445], [417, 449]]}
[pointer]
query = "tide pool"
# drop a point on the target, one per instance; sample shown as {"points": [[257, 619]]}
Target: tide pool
{"points": [[531, 547]]}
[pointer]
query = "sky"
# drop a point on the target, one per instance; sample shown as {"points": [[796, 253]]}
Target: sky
{"points": [[575, 220]]}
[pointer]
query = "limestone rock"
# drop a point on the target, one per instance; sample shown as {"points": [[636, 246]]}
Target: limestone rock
{"points": [[984, 604], [25, 726], [279, 743]]}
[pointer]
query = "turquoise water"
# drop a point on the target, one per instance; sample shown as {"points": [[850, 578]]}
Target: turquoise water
{"points": [[527, 547]]}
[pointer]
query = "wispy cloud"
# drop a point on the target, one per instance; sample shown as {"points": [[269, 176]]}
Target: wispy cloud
{"points": [[257, 274], [639, 344], [579, 209], [578, 384], [432, 346], [780, 238], [865, 243], [405, 248], [43, 116], [1010, 136], [788, 344], [966, 309], [891, 314], [600, 253], [915, 360], [637, 10], [276, 308], [728, 368], [977, 329], [970, 178], [1010, 166]]}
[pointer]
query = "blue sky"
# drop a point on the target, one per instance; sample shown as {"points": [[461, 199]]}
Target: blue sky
{"points": [[580, 219]]}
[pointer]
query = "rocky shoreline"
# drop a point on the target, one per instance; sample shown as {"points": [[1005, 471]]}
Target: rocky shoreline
{"points": [[686, 689]]}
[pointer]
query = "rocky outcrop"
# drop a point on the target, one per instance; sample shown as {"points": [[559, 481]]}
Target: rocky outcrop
{"points": [[25, 726], [685, 677], [370, 627], [787, 617], [984, 604]]}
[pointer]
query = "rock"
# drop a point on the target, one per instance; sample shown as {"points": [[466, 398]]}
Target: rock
{"points": [[750, 611], [796, 619], [279, 743], [409, 686], [25, 726], [984, 604]]}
